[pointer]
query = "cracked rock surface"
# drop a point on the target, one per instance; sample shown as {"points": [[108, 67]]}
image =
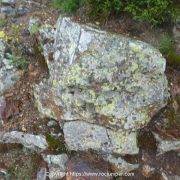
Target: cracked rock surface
{"points": [[102, 87]]}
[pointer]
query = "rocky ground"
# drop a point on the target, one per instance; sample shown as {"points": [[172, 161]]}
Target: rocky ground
{"points": [[39, 124]]}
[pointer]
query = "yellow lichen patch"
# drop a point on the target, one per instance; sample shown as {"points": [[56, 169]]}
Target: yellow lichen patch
{"points": [[3, 35]]}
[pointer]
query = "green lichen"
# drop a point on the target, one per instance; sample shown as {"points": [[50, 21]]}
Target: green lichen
{"points": [[74, 76]]}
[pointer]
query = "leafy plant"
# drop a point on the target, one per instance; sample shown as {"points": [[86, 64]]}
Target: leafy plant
{"points": [[67, 5], [2, 22], [55, 144], [167, 48], [18, 62], [34, 29], [166, 44], [153, 11]]}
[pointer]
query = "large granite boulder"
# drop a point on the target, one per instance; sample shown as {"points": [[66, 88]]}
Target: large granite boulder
{"points": [[102, 87]]}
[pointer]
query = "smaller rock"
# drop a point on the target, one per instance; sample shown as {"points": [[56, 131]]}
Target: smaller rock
{"points": [[30, 141], [52, 123], [167, 145], [47, 34], [21, 11], [120, 165], [84, 136], [57, 160]]}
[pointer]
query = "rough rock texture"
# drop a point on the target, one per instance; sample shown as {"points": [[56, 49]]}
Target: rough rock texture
{"points": [[83, 136], [8, 74], [121, 165], [167, 145], [102, 86], [57, 160], [30, 141], [42, 174], [57, 165]]}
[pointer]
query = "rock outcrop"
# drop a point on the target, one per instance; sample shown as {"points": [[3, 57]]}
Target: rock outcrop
{"points": [[102, 87]]}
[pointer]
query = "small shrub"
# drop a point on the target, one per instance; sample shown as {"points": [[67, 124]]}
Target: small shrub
{"points": [[153, 11], [2, 22], [167, 48], [34, 29], [55, 144], [166, 44], [68, 6], [18, 62]]}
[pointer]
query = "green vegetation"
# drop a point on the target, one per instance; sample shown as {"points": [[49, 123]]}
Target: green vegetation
{"points": [[18, 62], [67, 5], [2, 22], [34, 29], [153, 11], [167, 48], [166, 44], [56, 145]]}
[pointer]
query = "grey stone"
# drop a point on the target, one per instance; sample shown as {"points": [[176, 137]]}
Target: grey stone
{"points": [[108, 85], [59, 161], [30, 141], [52, 123], [121, 165], [96, 74], [47, 37], [167, 145], [8, 73], [22, 11], [57, 165], [42, 174], [84, 136], [8, 10]]}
